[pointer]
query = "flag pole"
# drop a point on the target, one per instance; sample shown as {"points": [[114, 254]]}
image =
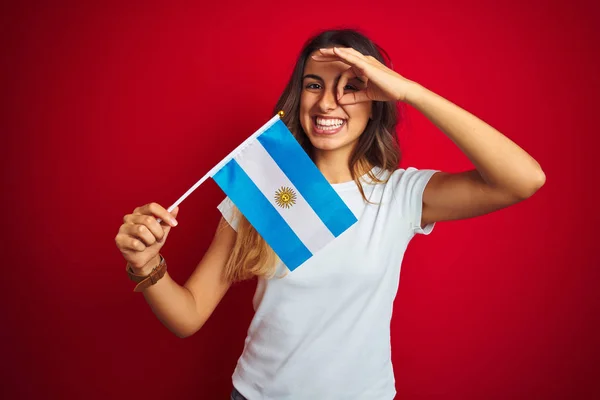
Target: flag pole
{"points": [[226, 160]]}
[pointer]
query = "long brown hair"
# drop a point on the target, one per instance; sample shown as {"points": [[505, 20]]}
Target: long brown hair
{"points": [[377, 146]]}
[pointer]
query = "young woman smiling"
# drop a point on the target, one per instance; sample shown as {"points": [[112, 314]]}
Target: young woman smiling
{"points": [[323, 331]]}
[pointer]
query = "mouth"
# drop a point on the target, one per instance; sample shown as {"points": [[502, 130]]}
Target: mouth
{"points": [[327, 129]]}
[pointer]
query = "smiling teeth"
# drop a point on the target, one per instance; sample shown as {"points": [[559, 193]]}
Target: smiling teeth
{"points": [[329, 123]]}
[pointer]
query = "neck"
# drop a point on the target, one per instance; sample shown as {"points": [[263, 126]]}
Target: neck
{"points": [[333, 165]]}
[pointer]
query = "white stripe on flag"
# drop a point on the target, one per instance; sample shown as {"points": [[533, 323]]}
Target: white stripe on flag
{"points": [[268, 177]]}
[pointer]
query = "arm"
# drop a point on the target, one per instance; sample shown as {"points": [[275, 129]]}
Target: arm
{"points": [[505, 174], [185, 309]]}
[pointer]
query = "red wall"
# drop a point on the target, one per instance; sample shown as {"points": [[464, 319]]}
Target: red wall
{"points": [[108, 107]]}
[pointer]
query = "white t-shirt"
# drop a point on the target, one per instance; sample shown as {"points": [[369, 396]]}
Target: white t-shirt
{"points": [[323, 331]]}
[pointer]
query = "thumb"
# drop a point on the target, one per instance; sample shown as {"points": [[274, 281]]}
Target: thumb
{"points": [[165, 224], [167, 227], [174, 214]]}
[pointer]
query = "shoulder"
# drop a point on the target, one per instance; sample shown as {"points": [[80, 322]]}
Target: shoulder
{"points": [[407, 188], [400, 180], [410, 178]]}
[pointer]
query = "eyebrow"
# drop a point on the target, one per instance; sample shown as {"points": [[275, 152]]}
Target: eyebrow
{"points": [[317, 77]]}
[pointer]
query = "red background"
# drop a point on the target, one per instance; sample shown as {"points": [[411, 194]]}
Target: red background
{"points": [[108, 107]]}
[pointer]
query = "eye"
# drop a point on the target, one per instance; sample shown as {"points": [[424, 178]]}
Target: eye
{"points": [[352, 87]]}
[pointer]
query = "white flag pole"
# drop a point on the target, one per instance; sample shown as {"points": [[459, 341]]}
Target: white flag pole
{"points": [[224, 161]]}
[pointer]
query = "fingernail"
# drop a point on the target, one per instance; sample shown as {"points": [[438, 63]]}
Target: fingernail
{"points": [[174, 222]]}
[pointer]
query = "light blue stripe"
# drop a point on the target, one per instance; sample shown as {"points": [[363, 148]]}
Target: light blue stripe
{"points": [[306, 177], [262, 215]]}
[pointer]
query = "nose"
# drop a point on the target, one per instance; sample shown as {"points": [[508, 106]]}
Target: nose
{"points": [[328, 100]]}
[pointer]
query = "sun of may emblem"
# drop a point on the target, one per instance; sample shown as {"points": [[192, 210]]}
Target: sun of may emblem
{"points": [[285, 197]]}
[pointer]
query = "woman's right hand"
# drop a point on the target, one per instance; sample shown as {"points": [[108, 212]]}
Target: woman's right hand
{"points": [[141, 236]]}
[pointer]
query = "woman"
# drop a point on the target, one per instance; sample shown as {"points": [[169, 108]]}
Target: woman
{"points": [[323, 331]]}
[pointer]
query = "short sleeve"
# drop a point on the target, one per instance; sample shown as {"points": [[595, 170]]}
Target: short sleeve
{"points": [[412, 184], [227, 209]]}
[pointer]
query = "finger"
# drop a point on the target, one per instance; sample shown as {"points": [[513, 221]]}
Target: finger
{"points": [[360, 66], [153, 227], [326, 55], [128, 243], [370, 60], [344, 77], [329, 51], [325, 59], [352, 50], [326, 52], [354, 97], [158, 211], [148, 220], [357, 61], [167, 228], [367, 61], [348, 55], [139, 232]]}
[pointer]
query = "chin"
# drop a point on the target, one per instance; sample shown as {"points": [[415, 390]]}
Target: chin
{"points": [[325, 146], [329, 143], [326, 143]]}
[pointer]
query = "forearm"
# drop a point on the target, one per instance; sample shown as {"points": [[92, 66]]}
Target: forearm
{"points": [[173, 305], [499, 161]]}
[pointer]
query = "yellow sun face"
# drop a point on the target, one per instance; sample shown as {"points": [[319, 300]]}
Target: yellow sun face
{"points": [[285, 197]]}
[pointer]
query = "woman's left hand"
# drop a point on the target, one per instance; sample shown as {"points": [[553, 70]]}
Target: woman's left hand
{"points": [[380, 82]]}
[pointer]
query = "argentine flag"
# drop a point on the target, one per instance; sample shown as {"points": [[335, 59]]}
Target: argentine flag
{"points": [[282, 193]]}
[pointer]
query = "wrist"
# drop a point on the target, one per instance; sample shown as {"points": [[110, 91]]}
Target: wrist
{"points": [[148, 267], [148, 275], [414, 94]]}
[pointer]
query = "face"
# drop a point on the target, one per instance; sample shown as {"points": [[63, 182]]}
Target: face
{"points": [[328, 125]]}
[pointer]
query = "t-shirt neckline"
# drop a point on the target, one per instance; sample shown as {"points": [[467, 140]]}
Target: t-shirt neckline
{"points": [[343, 186]]}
